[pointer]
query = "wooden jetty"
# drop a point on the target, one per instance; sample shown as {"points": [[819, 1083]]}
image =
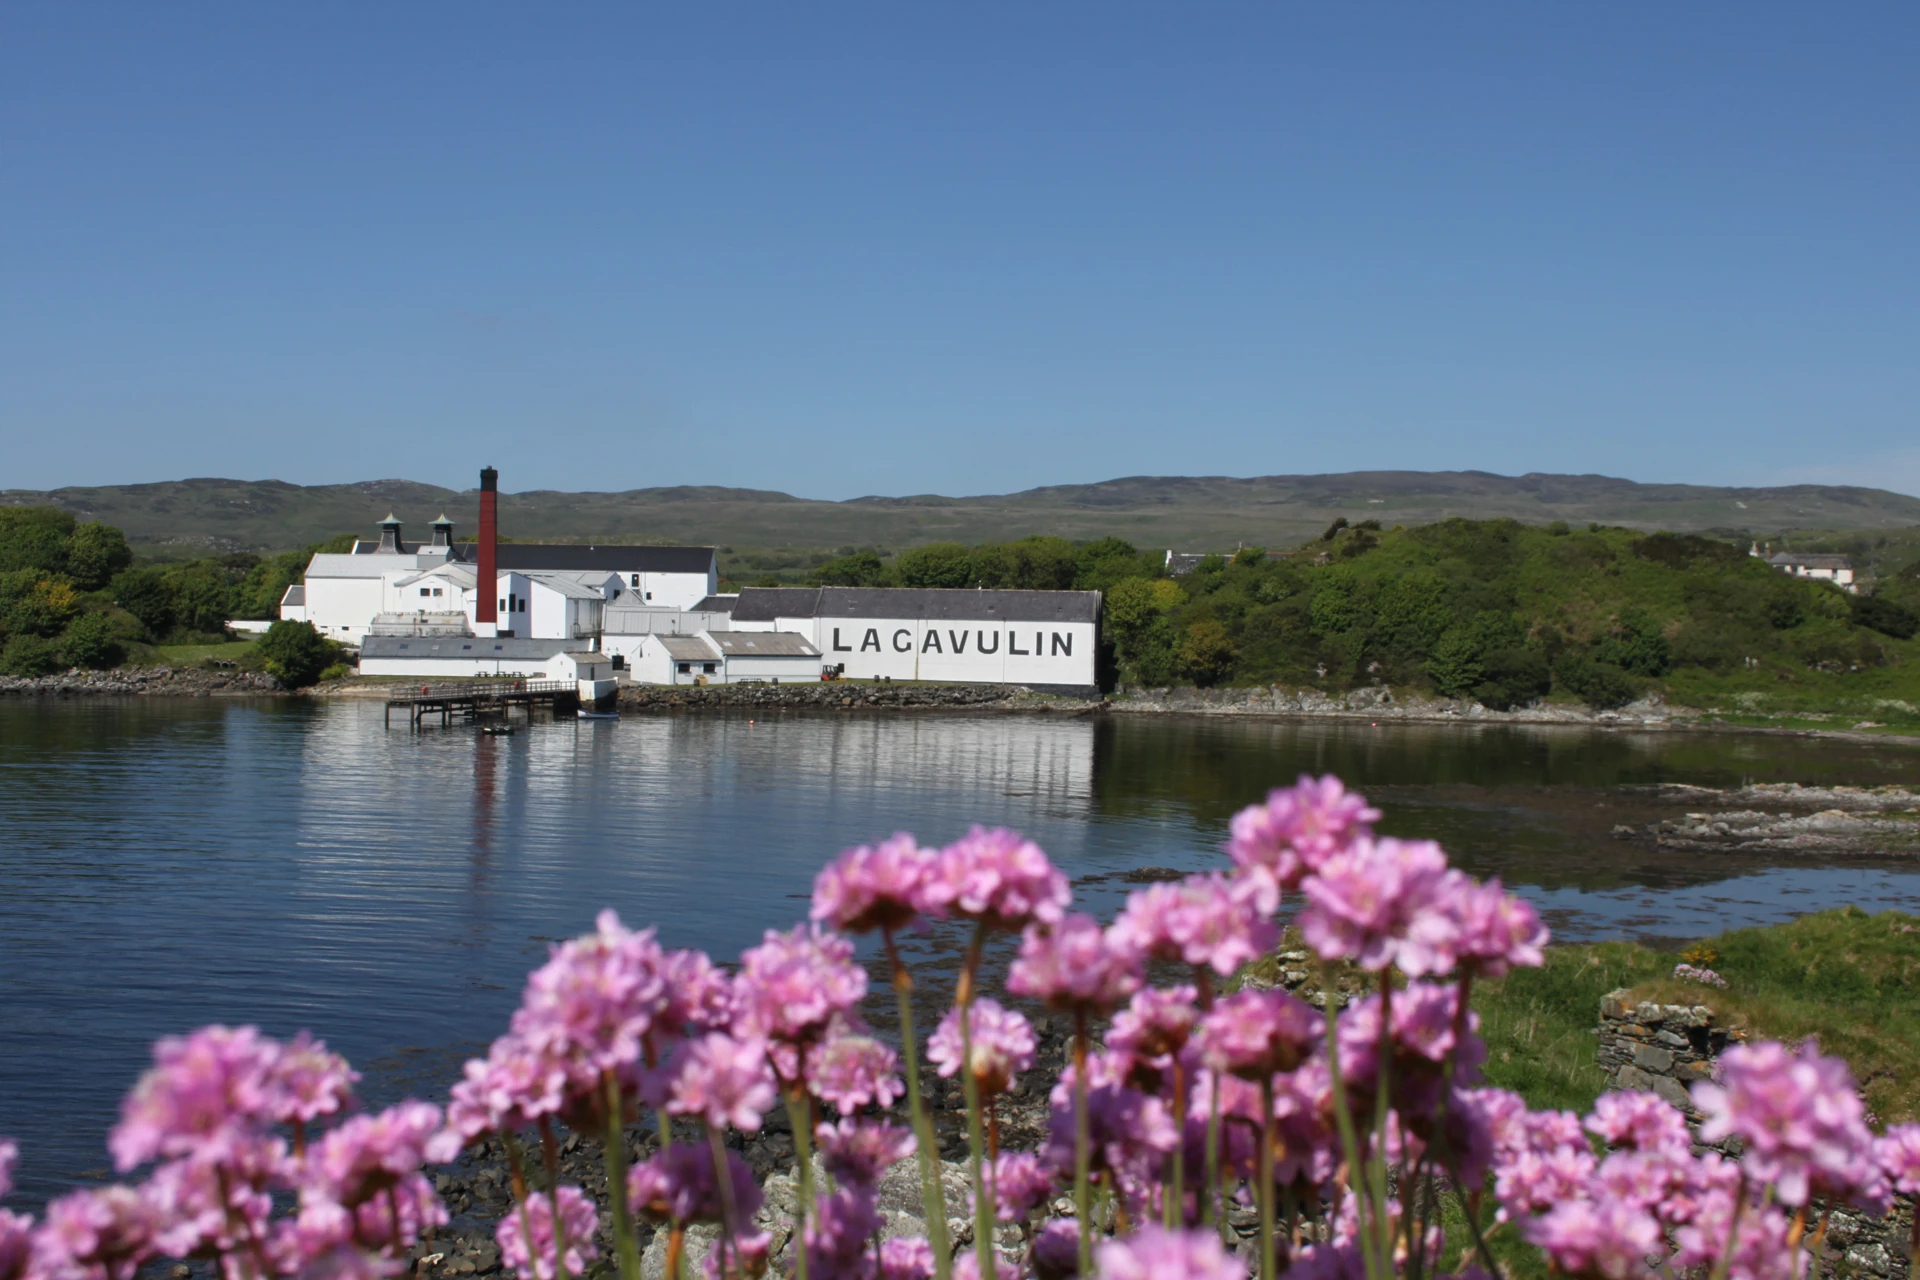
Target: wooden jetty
{"points": [[474, 699]]}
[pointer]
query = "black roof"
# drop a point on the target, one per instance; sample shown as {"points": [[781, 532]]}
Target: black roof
{"points": [[763, 604], [504, 648], [716, 604], [565, 557]]}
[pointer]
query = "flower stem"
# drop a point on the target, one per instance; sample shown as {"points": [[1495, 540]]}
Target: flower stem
{"points": [[1343, 1118], [983, 1210], [797, 1117], [1176, 1206], [729, 1223], [1082, 1143], [1382, 1107], [626, 1248], [1210, 1209], [932, 1198], [1269, 1259]]}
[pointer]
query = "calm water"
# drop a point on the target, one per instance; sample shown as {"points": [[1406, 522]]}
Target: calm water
{"points": [[171, 863]]}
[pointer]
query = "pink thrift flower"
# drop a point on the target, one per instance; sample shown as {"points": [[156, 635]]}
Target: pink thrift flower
{"points": [[906, 1258], [206, 1205], [1259, 1034], [1296, 830], [1424, 1018], [205, 1092], [837, 1234], [1899, 1156], [510, 1089], [344, 1262], [873, 886], [1385, 902], [1003, 1045], [16, 1244], [1705, 977], [1639, 1121], [1800, 1121], [368, 1154], [309, 1083], [408, 1207], [722, 1080], [1073, 965], [95, 1235], [1495, 931], [591, 1003], [1152, 1253], [1056, 1249], [998, 878], [699, 996], [1759, 1248], [9, 1156], [532, 1247], [794, 984], [1020, 1184], [1204, 921], [1336, 1260], [851, 1070], [678, 1185], [1602, 1238], [859, 1151], [1153, 1028]]}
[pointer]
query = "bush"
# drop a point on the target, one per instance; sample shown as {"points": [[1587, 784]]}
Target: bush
{"points": [[1516, 675], [1206, 652], [35, 538], [1884, 616], [95, 553], [30, 656], [36, 605], [1601, 685], [144, 593], [90, 642], [1455, 667], [861, 569], [338, 671], [938, 564], [296, 654]]}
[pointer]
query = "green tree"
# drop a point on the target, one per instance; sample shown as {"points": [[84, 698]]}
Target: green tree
{"points": [[29, 656], [202, 597], [1879, 614], [1456, 665], [34, 538], [95, 552], [90, 642], [938, 564], [145, 593], [296, 654], [34, 604], [1206, 652], [1105, 561], [861, 569]]}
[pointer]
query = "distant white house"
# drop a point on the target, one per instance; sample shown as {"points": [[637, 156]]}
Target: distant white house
{"points": [[1816, 565], [725, 657]]}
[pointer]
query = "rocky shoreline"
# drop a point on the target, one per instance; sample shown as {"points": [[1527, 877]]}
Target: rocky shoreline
{"points": [[1845, 821], [178, 682]]}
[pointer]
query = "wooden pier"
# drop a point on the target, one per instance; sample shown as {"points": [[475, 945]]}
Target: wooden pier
{"points": [[472, 700]]}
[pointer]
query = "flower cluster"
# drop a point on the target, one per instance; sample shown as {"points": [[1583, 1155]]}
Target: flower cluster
{"points": [[1192, 1108], [1705, 977]]}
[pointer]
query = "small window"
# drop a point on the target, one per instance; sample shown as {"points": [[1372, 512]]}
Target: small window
{"points": [[406, 646], [707, 667], [426, 591], [437, 591], [686, 668], [636, 582], [649, 595]]}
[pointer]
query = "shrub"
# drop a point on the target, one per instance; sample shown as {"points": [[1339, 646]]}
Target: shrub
{"points": [[296, 654], [28, 655], [1206, 652], [95, 553], [1455, 667], [861, 569], [90, 642], [1884, 616], [1601, 685], [338, 671], [1515, 676], [144, 593], [938, 564]]}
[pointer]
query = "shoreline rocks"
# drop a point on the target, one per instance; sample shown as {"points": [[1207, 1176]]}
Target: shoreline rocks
{"points": [[1847, 821], [178, 682]]}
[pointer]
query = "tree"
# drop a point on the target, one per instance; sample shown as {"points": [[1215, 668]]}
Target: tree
{"points": [[861, 569], [34, 538], [1877, 613], [1206, 652], [202, 599], [938, 564], [1103, 562], [90, 642], [95, 552], [296, 653], [29, 656], [1455, 666], [144, 593], [32, 604]]}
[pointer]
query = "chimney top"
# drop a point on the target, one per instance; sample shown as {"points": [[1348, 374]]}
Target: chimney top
{"points": [[489, 480]]}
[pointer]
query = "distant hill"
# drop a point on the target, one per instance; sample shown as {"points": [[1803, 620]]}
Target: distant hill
{"points": [[1189, 512]]}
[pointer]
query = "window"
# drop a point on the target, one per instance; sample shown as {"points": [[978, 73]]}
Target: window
{"points": [[707, 667], [503, 606], [686, 668], [425, 591], [649, 595], [636, 582], [438, 592]]}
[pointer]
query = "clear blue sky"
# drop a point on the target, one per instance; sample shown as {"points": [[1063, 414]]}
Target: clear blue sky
{"points": [[972, 248]]}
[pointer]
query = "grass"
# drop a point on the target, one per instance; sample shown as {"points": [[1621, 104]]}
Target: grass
{"points": [[1539, 1023], [186, 655]]}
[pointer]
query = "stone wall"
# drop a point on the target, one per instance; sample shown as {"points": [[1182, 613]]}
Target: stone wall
{"points": [[1664, 1048], [179, 682]]}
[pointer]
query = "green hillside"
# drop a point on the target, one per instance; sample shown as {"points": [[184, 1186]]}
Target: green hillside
{"points": [[1194, 513]]}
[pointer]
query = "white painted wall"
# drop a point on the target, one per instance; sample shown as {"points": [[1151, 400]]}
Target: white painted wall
{"points": [[673, 590], [976, 652], [786, 668]]}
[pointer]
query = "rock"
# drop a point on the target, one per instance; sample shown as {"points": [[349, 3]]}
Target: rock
{"points": [[1673, 1091], [695, 1248], [1870, 1257], [1673, 1041], [1652, 1058]]}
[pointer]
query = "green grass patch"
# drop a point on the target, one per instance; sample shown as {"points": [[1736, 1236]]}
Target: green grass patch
{"points": [[1539, 1023], [186, 655]]}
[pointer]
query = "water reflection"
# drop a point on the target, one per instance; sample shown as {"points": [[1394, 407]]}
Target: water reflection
{"points": [[177, 862]]}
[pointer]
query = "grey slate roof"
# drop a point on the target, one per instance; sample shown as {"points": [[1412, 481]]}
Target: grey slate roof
{"points": [[557, 557], [763, 604], [716, 604], [296, 595], [1810, 560], [687, 648], [504, 648], [763, 644]]}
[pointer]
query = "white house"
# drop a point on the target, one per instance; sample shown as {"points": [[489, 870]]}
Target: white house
{"points": [[725, 657], [1823, 568], [1033, 638]]}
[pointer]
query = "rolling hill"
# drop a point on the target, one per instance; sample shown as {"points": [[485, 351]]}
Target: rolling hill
{"points": [[194, 517]]}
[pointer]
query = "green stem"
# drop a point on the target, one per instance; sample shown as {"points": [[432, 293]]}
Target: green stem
{"points": [[730, 1223], [983, 1209], [1210, 1209], [1082, 1143], [1176, 1214], [1377, 1159], [1349, 1142], [1269, 1258], [797, 1116], [932, 1197], [626, 1248], [519, 1173]]}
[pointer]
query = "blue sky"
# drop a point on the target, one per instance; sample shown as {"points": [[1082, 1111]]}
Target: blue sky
{"points": [[838, 250]]}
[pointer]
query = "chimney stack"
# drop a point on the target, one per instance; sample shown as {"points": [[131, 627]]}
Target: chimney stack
{"points": [[443, 531], [390, 536], [486, 604]]}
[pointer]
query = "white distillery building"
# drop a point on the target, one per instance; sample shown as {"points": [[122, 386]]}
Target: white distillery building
{"points": [[442, 657], [1042, 639], [725, 657], [542, 591]]}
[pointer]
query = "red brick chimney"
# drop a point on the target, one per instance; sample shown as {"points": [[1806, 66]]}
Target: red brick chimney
{"points": [[486, 603]]}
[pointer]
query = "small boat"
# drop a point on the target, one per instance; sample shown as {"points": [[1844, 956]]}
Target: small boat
{"points": [[585, 714], [497, 730]]}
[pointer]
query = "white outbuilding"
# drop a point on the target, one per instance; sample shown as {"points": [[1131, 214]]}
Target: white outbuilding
{"points": [[725, 657]]}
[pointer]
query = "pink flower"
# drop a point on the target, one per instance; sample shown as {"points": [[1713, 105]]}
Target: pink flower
{"points": [[9, 1156], [678, 1185], [1603, 1238], [1056, 1249], [206, 1205], [859, 1151], [852, 1070], [999, 878], [1899, 1156], [205, 1092], [531, 1247], [1073, 965], [408, 1207], [1131, 1132], [1335, 1260], [344, 1262], [1153, 1028], [699, 996], [1705, 977], [837, 1234], [1799, 1119], [1385, 902], [510, 1089], [16, 1244], [1640, 1122], [1495, 930], [873, 886], [308, 1083], [369, 1154], [1296, 830], [1003, 1045], [1258, 1034], [1759, 1249], [793, 984], [1204, 920], [95, 1235], [1425, 1015], [589, 1006], [722, 1080], [1020, 1184], [906, 1258], [1155, 1254]]}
